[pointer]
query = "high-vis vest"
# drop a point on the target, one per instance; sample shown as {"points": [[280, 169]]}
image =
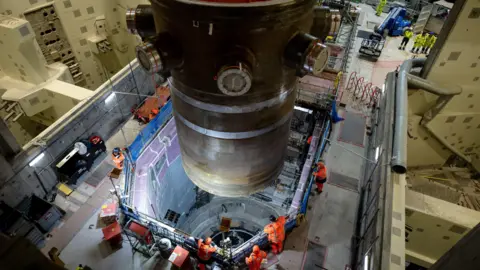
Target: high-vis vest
{"points": [[419, 40], [430, 41], [321, 172], [205, 251], [254, 262], [276, 230], [408, 34]]}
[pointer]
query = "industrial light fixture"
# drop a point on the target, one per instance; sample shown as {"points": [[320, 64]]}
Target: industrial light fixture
{"points": [[303, 109], [377, 152], [383, 89], [36, 160], [110, 97]]}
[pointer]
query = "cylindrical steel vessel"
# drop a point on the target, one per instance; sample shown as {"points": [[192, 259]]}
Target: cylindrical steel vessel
{"points": [[232, 91]]}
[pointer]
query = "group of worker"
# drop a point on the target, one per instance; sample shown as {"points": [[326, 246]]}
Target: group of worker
{"points": [[421, 44], [275, 231]]}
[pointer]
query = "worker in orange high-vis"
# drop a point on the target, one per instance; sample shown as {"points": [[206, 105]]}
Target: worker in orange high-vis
{"points": [[118, 157], [276, 233], [204, 253], [254, 261], [152, 114], [320, 176]]}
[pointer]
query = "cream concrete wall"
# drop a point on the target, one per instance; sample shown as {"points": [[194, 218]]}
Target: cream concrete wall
{"points": [[422, 148], [433, 226], [458, 62], [397, 238], [75, 26]]}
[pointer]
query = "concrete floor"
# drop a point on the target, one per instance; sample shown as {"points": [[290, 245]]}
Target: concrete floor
{"points": [[331, 215]]}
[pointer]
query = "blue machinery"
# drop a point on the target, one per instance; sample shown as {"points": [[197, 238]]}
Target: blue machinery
{"points": [[178, 237], [395, 22]]}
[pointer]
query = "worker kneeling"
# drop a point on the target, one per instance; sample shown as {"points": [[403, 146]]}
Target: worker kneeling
{"points": [[118, 158], [276, 233], [320, 176], [204, 253], [254, 261]]}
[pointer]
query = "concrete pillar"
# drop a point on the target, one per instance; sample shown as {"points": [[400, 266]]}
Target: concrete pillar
{"points": [[8, 144], [6, 172], [464, 255]]}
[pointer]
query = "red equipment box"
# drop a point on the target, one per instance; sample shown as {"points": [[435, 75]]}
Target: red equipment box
{"points": [[113, 234], [142, 232], [180, 258]]}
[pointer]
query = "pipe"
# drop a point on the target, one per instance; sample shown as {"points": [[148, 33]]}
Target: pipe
{"points": [[405, 79], [399, 154], [420, 83]]}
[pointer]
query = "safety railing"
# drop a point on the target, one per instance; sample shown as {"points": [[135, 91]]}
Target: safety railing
{"points": [[320, 99], [375, 193], [178, 237], [362, 91]]}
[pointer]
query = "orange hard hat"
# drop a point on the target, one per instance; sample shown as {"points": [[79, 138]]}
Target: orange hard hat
{"points": [[256, 249], [208, 241]]}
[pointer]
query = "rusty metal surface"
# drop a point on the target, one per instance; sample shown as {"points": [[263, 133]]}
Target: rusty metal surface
{"points": [[213, 36]]}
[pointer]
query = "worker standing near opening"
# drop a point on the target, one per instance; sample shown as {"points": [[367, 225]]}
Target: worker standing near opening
{"points": [[276, 233], [429, 41], [118, 157], [320, 175], [205, 251], [418, 42], [254, 261], [407, 35], [380, 6]]}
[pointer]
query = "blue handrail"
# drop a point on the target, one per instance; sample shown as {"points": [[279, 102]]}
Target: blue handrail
{"points": [[303, 208]]}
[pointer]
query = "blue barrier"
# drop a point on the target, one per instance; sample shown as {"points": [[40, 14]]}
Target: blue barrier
{"points": [[303, 209], [150, 130]]}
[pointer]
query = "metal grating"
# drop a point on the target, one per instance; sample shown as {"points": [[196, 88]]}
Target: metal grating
{"points": [[353, 129], [99, 174], [343, 181], [172, 216], [315, 258]]}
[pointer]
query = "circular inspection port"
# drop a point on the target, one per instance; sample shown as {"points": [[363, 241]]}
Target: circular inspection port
{"points": [[248, 217], [237, 235]]}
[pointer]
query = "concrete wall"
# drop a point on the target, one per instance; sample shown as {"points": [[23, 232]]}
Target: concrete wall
{"points": [[78, 18], [436, 222], [91, 116], [454, 60]]}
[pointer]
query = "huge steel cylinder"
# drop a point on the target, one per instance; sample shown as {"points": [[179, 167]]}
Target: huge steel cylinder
{"points": [[233, 77]]}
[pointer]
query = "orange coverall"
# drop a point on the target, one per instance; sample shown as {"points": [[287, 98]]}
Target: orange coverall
{"points": [[204, 253], [320, 176], [254, 262], [118, 160], [276, 234]]}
